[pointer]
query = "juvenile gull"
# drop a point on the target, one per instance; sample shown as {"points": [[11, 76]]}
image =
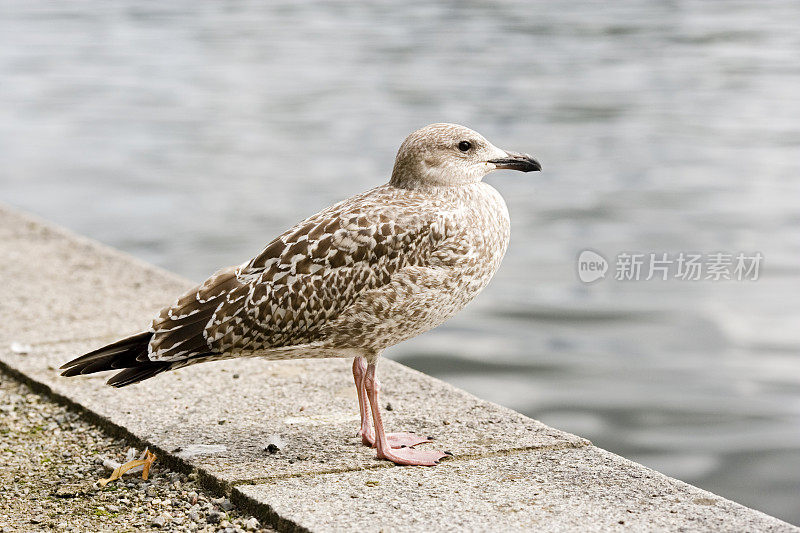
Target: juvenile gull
{"points": [[352, 280]]}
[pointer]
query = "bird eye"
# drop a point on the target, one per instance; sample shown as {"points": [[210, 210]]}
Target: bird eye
{"points": [[464, 146]]}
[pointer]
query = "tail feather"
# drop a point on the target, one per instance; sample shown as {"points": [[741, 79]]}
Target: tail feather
{"points": [[129, 354], [135, 375]]}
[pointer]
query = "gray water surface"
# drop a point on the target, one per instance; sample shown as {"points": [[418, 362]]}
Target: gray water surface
{"points": [[191, 133]]}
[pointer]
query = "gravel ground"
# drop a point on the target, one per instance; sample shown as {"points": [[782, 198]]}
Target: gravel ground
{"points": [[50, 461]]}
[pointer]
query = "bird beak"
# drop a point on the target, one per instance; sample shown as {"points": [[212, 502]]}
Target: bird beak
{"points": [[515, 161]]}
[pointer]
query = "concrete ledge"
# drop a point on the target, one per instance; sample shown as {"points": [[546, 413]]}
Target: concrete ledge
{"points": [[60, 286], [308, 404], [583, 489], [63, 294]]}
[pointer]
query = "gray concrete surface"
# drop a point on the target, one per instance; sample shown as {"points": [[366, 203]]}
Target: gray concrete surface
{"points": [[310, 405], [58, 286], [581, 489], [63, 294]]}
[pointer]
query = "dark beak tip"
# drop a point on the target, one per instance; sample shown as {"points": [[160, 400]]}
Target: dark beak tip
{"points": [[522, 163]]}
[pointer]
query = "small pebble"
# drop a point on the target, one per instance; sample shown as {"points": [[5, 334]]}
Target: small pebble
{"points": [[224, 503], [57, 472]]}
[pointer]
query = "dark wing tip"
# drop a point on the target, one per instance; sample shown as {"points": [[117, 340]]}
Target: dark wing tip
{"points": [[130, 376], [119, 354]]}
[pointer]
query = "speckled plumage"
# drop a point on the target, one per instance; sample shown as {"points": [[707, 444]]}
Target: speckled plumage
{"points": [[356, 278], [349, 281]]}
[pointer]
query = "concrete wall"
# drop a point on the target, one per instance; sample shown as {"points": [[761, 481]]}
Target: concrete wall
{"points": [[62, 294]]}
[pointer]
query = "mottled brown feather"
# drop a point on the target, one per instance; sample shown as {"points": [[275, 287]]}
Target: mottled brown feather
{"points": [[301, 281]]}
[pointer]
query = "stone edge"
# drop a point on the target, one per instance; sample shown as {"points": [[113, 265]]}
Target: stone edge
{"points": [[261, 510]]}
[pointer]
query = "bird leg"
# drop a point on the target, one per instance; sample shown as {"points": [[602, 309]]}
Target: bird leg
{"points": [[400, 456], [359, 371], [396, 440]]}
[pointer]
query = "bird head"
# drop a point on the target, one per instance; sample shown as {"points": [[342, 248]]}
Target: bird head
{"points": [[452, 155]]}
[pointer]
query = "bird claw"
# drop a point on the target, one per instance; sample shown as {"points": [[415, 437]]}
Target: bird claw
{"points": [[412, 457]]}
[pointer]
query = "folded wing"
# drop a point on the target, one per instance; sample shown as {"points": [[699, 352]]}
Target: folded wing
{"points": [[301, 281]]}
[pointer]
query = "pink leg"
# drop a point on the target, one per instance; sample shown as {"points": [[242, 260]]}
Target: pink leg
{"points": [[396, 440], [359, 371], [401, 456]]}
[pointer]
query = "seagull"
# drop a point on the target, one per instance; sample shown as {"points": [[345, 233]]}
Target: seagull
{"points": [[350, 281]]}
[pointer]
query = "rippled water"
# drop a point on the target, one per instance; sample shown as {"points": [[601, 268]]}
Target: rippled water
{"points": [[190, 134]]}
